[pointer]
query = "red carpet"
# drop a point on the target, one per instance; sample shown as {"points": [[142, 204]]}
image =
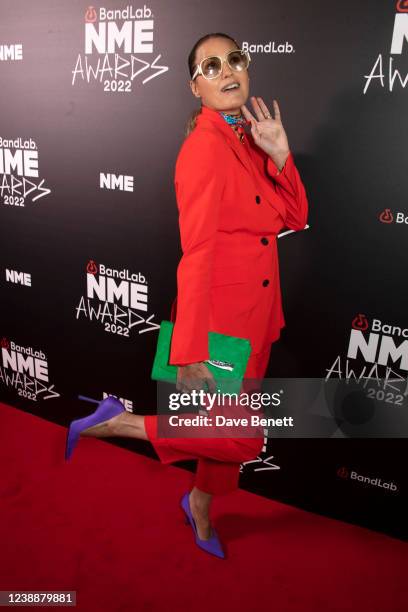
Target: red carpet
{"points": [[109, 526]]}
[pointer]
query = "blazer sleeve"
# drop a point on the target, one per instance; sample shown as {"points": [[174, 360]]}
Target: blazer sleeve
{"points": [[289, 186], [199, 183]]}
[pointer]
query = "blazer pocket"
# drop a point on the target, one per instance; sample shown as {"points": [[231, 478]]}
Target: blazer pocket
{"points": [[230, 274]]}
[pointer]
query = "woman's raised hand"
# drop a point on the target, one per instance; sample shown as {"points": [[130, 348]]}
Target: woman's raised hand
{"points": [[195, 376], [268, 133]]}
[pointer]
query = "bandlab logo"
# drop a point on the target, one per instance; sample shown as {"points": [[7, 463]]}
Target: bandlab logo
{"points": [[345, 474], [269, 47], [18, 171], [386, 216], [108, 31], [26, 370], [119, 297], [379, 349], [399, 42]]}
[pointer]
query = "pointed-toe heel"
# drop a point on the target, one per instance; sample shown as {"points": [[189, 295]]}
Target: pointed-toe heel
{"points": [[107, 408], [213, 544]]}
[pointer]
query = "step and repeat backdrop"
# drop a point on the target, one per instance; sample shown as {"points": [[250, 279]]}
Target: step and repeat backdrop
{"points": [[94, 101]]}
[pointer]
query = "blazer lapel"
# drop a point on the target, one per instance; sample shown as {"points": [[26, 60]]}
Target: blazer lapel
{"points": [[232, 140], [239, 150], [244, 156]]}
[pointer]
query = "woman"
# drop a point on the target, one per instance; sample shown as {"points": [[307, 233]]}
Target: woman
{"points": [[235, 191]]}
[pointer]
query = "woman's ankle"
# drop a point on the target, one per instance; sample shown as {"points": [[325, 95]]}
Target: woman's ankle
{"points": [[200, 502]]}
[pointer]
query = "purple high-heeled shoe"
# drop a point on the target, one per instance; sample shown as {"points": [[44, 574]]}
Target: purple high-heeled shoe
{"points": [[213, 544], [107, 408]]}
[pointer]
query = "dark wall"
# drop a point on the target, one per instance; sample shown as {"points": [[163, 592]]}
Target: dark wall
{"points": [[348, 136]]}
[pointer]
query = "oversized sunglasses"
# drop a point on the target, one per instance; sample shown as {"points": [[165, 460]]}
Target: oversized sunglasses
{"points": [[211, 67]]}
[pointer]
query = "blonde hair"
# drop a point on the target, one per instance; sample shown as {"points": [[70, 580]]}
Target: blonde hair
{"points": [[191, 121]]}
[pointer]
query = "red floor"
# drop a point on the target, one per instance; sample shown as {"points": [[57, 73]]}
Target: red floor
{"points": [[109, 526]]}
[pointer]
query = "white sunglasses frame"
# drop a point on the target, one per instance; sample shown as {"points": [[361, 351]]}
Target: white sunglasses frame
{"points": [[199, 71]]}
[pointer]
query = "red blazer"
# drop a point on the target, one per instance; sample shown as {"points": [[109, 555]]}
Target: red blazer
{"points": [[232, 204]]}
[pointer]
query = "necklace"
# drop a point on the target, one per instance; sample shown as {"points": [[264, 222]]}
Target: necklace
{"points": [[234, 119], [237, 122]]}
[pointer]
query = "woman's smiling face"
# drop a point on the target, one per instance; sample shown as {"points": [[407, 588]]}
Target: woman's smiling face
{"points": [[210, 90]]}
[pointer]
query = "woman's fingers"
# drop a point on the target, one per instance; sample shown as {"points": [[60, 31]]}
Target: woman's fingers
{"points": [[257, 108], [262, 111], [248, 116], [276, 110], [212, 387], [195, 377], [255, 132], [264, 108]]}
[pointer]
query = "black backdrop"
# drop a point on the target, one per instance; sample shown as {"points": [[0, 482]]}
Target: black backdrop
{"points": [[347, 132]]}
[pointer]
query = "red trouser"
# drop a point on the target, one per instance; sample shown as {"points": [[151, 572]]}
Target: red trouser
{"points": [[219, 459]]}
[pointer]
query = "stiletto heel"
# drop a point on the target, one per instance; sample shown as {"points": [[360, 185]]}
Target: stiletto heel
{"points": [[213, 544], [107, 408]]}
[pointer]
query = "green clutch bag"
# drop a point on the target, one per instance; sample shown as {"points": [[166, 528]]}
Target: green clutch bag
{"points": [[228, 359]]}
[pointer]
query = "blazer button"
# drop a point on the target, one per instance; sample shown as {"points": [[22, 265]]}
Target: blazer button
{"points": [[265, 282], [257, 199], [264, 240]]}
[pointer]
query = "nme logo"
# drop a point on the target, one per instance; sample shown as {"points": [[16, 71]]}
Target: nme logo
{"points": [[19, 173], [379, 345], [117, 298], [113, 181], [11, 52], [400, 32], [25, 370], [382, 347], [18, 278], [129, 290], [399, 42], [119, 48]]}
